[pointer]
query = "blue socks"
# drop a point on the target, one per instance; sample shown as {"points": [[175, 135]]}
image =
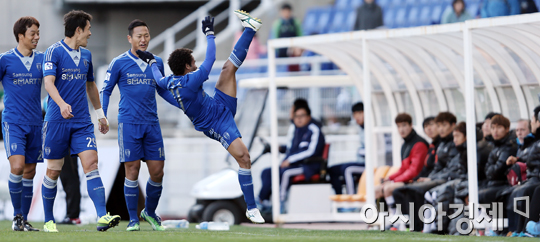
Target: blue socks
{"points": [[96, 191], [246, 183], [27, 194], [241, 48], [15, 190], [131, 194], [48, 191], [153, 193]]}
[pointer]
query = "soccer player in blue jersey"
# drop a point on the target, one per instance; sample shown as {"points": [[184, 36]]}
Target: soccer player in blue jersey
{"points": [[69, 78], [139, 133], [214, 116], [21, 76]]}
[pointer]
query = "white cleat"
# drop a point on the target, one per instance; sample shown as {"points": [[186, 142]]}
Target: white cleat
{"points": [[247, 20], [255, 216]]}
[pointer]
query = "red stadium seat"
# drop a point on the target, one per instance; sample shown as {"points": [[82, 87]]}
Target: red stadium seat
{"points": [[315, 178]]}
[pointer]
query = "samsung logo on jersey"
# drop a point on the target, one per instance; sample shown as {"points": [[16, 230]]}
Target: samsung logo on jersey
{"points": [[22, 75], [70, 77], [71, 70], [135, 75], [26, 81]]}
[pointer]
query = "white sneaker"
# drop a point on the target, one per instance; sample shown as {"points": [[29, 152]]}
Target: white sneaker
{"points": [[255, 216], [247, 20]]}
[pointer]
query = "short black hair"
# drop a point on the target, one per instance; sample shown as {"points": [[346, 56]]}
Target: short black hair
{"points": [[300, 102], [446, 117], [178, 60], [462, 128], [358, 107], [134, 24], [490, 115], [308, 111], [403, 118], [537, 112], [74, 19], [23, 24], [427, 121], [286, 6]]}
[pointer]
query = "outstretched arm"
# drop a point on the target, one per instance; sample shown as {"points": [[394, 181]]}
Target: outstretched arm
{"points": [[202, 74]]}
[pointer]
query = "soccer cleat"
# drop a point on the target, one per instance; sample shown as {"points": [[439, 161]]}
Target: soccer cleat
{"points": [[50, 227], [247, 20], [154, 221], [18, 223], [107, 221], [533, 228], [255, 216], [28, 227], [133, 226]]}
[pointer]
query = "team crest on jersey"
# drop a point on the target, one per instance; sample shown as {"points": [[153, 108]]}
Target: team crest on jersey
{"points": [[85, 63], [14, 147], [48, 66], [226, 135], [47, 150], [38, 66], [127, 152]]}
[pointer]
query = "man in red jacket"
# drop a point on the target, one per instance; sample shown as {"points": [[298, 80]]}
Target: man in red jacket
{"points": [[413, 155]]}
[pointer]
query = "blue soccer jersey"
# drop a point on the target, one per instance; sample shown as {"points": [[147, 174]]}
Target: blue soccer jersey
{"points": [[21, 77], [72, 69], [137, 89]]}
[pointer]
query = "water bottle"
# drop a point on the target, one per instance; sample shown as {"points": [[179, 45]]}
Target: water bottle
{"points": [[216, 226], [202, 225], [182, 224]]}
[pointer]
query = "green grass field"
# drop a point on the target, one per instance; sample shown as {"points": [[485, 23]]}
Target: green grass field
{"points": [[237, 233]]}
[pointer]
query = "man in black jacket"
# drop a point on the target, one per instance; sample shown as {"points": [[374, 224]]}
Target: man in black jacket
{"points": [[368, 16], [430, 129], [446, 150], [496, 167]]}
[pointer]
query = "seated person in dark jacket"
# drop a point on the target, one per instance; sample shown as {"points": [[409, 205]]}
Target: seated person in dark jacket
{"points": [[430, 129], [456, 171], [414, 192], [529, 153], [496, 166], [413, 155], [303, 156], [350, 172]]}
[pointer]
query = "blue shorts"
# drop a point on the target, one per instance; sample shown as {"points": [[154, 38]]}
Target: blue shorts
{"points": [[140, 142], [23, 140], [224, 128], [58, 137]]}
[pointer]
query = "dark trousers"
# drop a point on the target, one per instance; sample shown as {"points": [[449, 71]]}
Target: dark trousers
{"points": [[534, 212], [337, 176], [266, 177], [516, 222], [414, 193], [72, 186]]}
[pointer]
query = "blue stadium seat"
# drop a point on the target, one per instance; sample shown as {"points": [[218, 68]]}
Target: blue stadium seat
{"points": [[343, 21], [356, 3], [386, 3], [473, 8], [425, 16], [400, 20], [388, 17], [324, 20], [398, 3], [411, 2], [437, 12], [341, 4], [413, 16], [309, 26]]}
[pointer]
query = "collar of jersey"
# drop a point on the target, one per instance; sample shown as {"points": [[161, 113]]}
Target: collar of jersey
{"points": [[67, 46], [21, 55]]}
